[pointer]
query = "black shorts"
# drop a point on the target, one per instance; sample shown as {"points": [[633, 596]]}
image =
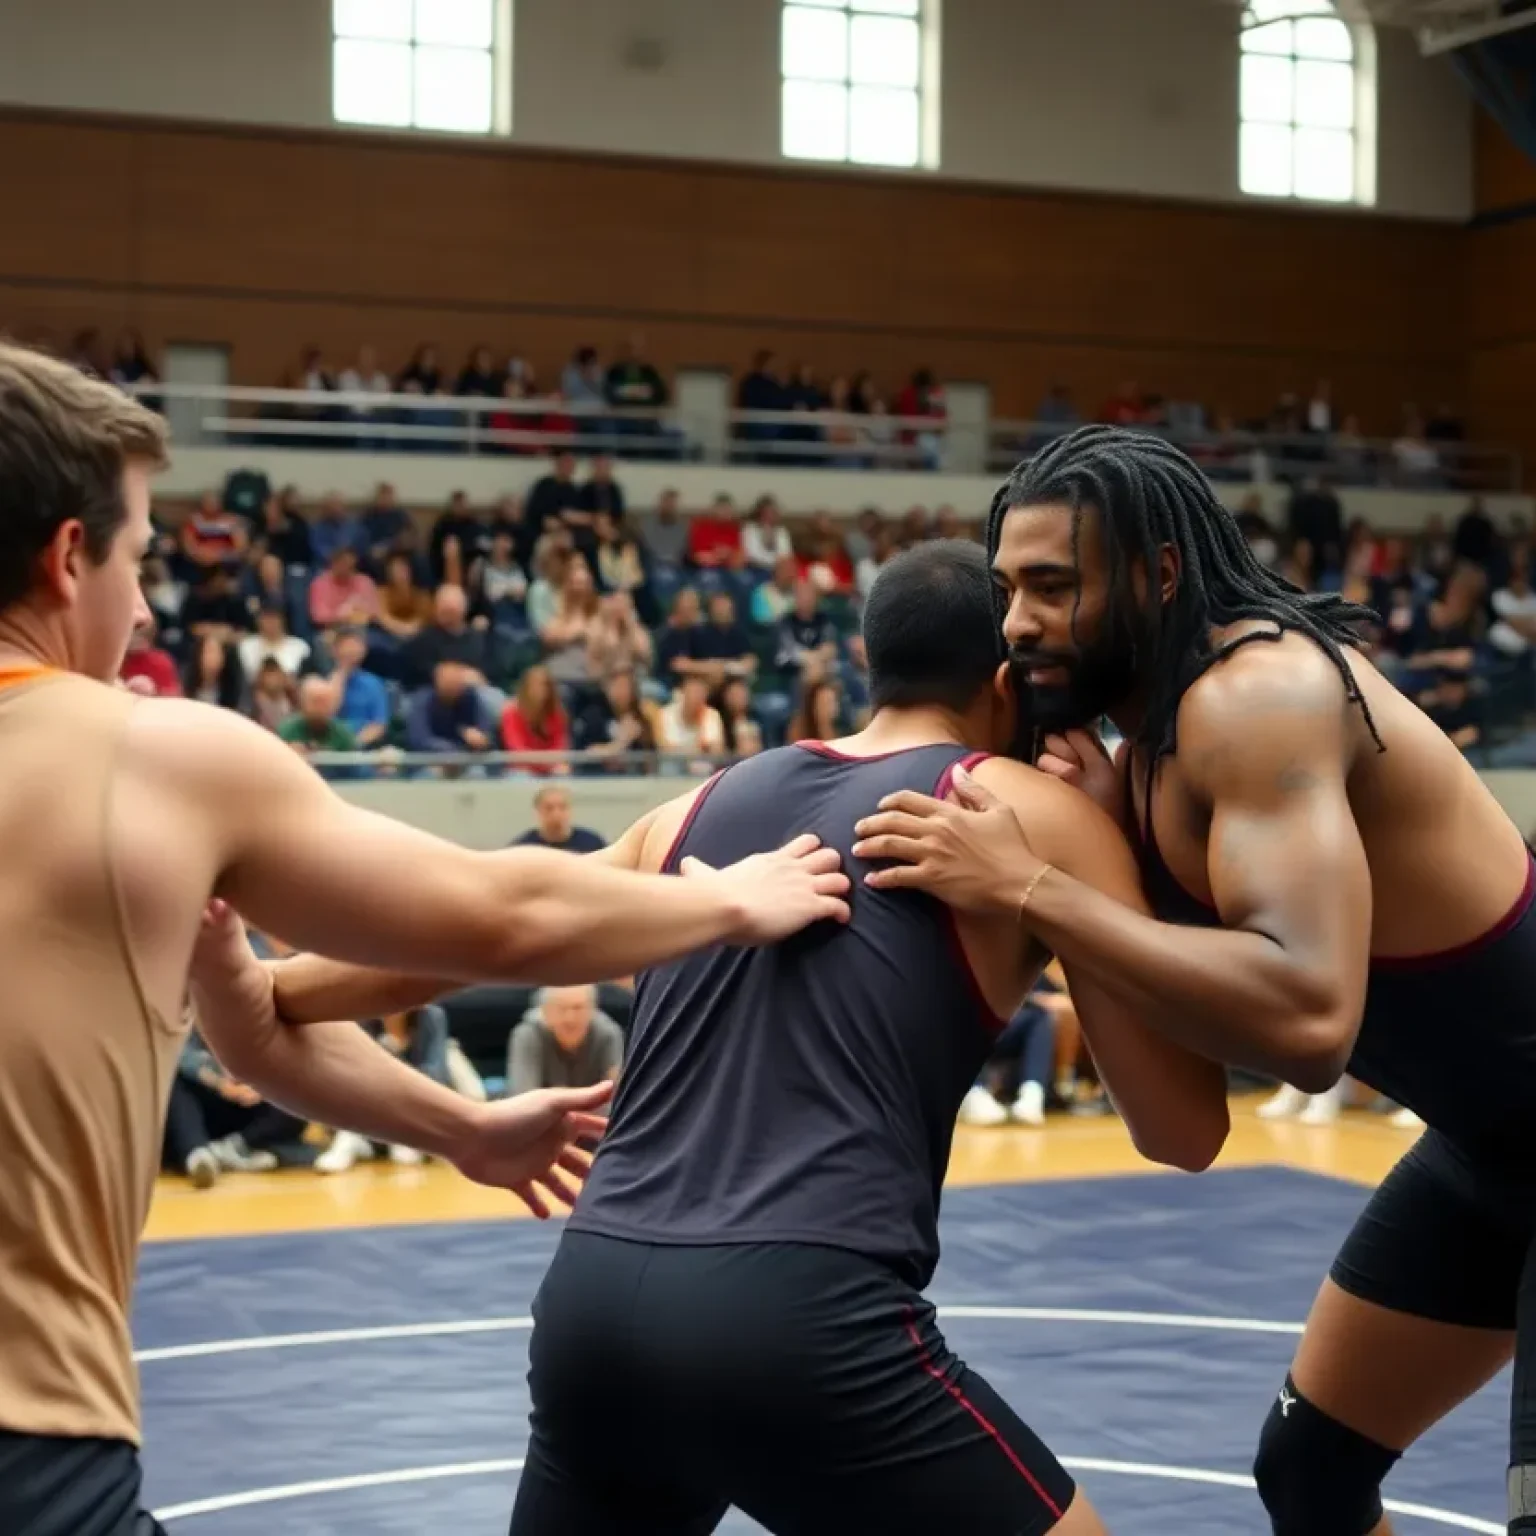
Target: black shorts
{"points": [[1445, 1237], [51, 1486], [807, 1386]]}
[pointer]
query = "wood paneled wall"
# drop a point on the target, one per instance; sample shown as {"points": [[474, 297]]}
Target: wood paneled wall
{"points": [[268, 240]]}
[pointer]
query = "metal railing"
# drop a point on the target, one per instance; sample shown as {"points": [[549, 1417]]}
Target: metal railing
{"points": [[392, 762], [239, 416]]}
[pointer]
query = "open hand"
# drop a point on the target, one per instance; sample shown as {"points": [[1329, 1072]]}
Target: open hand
{"points": [[970, 851], [1078, 758], [782, 892]]}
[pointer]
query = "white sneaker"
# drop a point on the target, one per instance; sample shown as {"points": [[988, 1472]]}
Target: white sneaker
{"points": [[346, 1148], [1405, 1120], [1029, 1107], [1285, 1103], [979, 1107], [203, 1168], [406, 1157], [1323, 1108], [234, 1156]]}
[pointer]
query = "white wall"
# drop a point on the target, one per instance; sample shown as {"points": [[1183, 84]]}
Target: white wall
{"points": [[1130, 96]]}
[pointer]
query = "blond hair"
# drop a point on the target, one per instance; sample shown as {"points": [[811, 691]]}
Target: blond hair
{"points": [[65, 440]]}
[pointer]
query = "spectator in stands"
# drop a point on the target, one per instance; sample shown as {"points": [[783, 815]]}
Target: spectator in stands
{"points": [[807, 638], [840, 432], [511, 518], [213, 608], [450, 637], [215, 1123], [274, 695], [634, 384], [1056, 415], [1316, 515], [384, 520], [762, 389], [664, 533], [362, 379], [1436, 555], [501, 584], [536, 721], [550, 558], [602, 493], [859, 541], [819, 717], [742, 733], [164, 594], [405, 608], [564, 1041], [554, 827], [272, 642], [722, 648], [422, 371], [147, 669], [913, 527], [315, 728], [211, 536], [773, 600], [800, 439], [826, 564], [1415, 462], [690, 725], [567, 636], [764, 538], [1444, 426], [131, 365], [554, 495], [619, 720], [1125, 407], [448, 715], [285, 531], [1318, 417], [479, 378], [1452, 706], [714, 538], [213, 674], [459, 538], [581, 385], [619, 567], [342, 594], [1475, 537], [678, 639], [1513, 631], [361, 699], [1350, 455], [618, 641], [336, 529], [869, 567]]}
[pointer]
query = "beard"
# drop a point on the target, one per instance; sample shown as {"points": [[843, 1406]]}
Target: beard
{"points": [[1094, 679]]}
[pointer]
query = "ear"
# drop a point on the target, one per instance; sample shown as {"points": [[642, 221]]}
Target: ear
{"points": [[63, 560], [1169, 569]]}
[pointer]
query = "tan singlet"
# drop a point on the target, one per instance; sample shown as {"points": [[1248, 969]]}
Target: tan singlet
{"points": [[85, 1068]]}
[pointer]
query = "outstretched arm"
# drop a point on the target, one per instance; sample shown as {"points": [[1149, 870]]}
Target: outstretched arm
{"points": [[1280, 987]]}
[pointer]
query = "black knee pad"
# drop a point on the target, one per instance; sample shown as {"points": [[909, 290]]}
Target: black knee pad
{"points": [[1316, 1476]]}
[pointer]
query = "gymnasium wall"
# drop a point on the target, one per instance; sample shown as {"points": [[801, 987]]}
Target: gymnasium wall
{"points": [[1099, 95], [265, 239]]}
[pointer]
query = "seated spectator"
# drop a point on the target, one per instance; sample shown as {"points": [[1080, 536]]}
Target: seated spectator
{"points": [[618, 641], [284, 531], [213, 675], [211, 536], [581, 384], [564, 1041], [619, 567], [361, 699], [535, 721], [620, 720], [743, 735], [690, 726], [479, 379], [384, 520], [555, 495], [840, 432], [1514, 606], [764, 538], [602, 493], [336, 529], [714, 538], [274, 696], [826, 564], [677, 640], [450, 637], [807, 637], [216, 1124], [568, 634], [551, 556], [449, 714], [267, 586], [869, 567], [775, 599], [922, 398], [315, 728], [131, 368], [501, 584], [860, 540], [664, 533], [721, 648], [554, 827], [272, 642], [213, 609], [1475, 537], [819, 717], [405, 608], [164, 594], [1414, 459], [1452, 706], [460, 537], [343, 594], [362, 379], [762, 390], [422, 371], [147, 669], [419, 1038]]}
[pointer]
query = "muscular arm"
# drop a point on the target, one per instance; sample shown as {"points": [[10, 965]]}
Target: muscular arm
{"points": [[1173, 1101], [1280, 987]]}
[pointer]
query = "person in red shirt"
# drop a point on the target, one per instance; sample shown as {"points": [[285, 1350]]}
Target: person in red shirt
{"points": [[535, 721], [714, 538], [147, 669], [826, 564]]}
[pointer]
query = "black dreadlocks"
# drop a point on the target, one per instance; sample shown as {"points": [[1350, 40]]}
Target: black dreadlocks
{"points": [[1150, 494]]}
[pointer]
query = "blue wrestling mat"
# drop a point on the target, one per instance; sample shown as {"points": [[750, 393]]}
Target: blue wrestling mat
{"points": [[372, 1383]]}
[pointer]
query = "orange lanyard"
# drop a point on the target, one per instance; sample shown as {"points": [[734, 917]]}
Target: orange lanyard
{"points": [[11, 676]]}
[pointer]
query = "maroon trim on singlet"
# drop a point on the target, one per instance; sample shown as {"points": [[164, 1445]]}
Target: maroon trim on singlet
{"points": [[823, 749], [687, 826], [989, 1017], [1439, 957]]}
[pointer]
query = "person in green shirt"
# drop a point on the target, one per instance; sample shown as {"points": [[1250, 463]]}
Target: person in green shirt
{"points": [[315, 728]]}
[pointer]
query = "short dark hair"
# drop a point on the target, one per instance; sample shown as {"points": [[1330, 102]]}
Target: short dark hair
{"points": [[65, 440], [929, 627]]}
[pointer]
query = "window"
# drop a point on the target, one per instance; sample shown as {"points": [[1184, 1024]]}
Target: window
{"points": [[417, 64], [859, 82], [1306, 103]]}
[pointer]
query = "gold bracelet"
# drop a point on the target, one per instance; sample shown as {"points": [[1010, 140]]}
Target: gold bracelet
{"points": [[1029, 890]]}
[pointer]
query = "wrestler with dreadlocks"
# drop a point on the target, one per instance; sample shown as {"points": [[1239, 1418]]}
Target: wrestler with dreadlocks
{"points": [[1335, 889]]}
